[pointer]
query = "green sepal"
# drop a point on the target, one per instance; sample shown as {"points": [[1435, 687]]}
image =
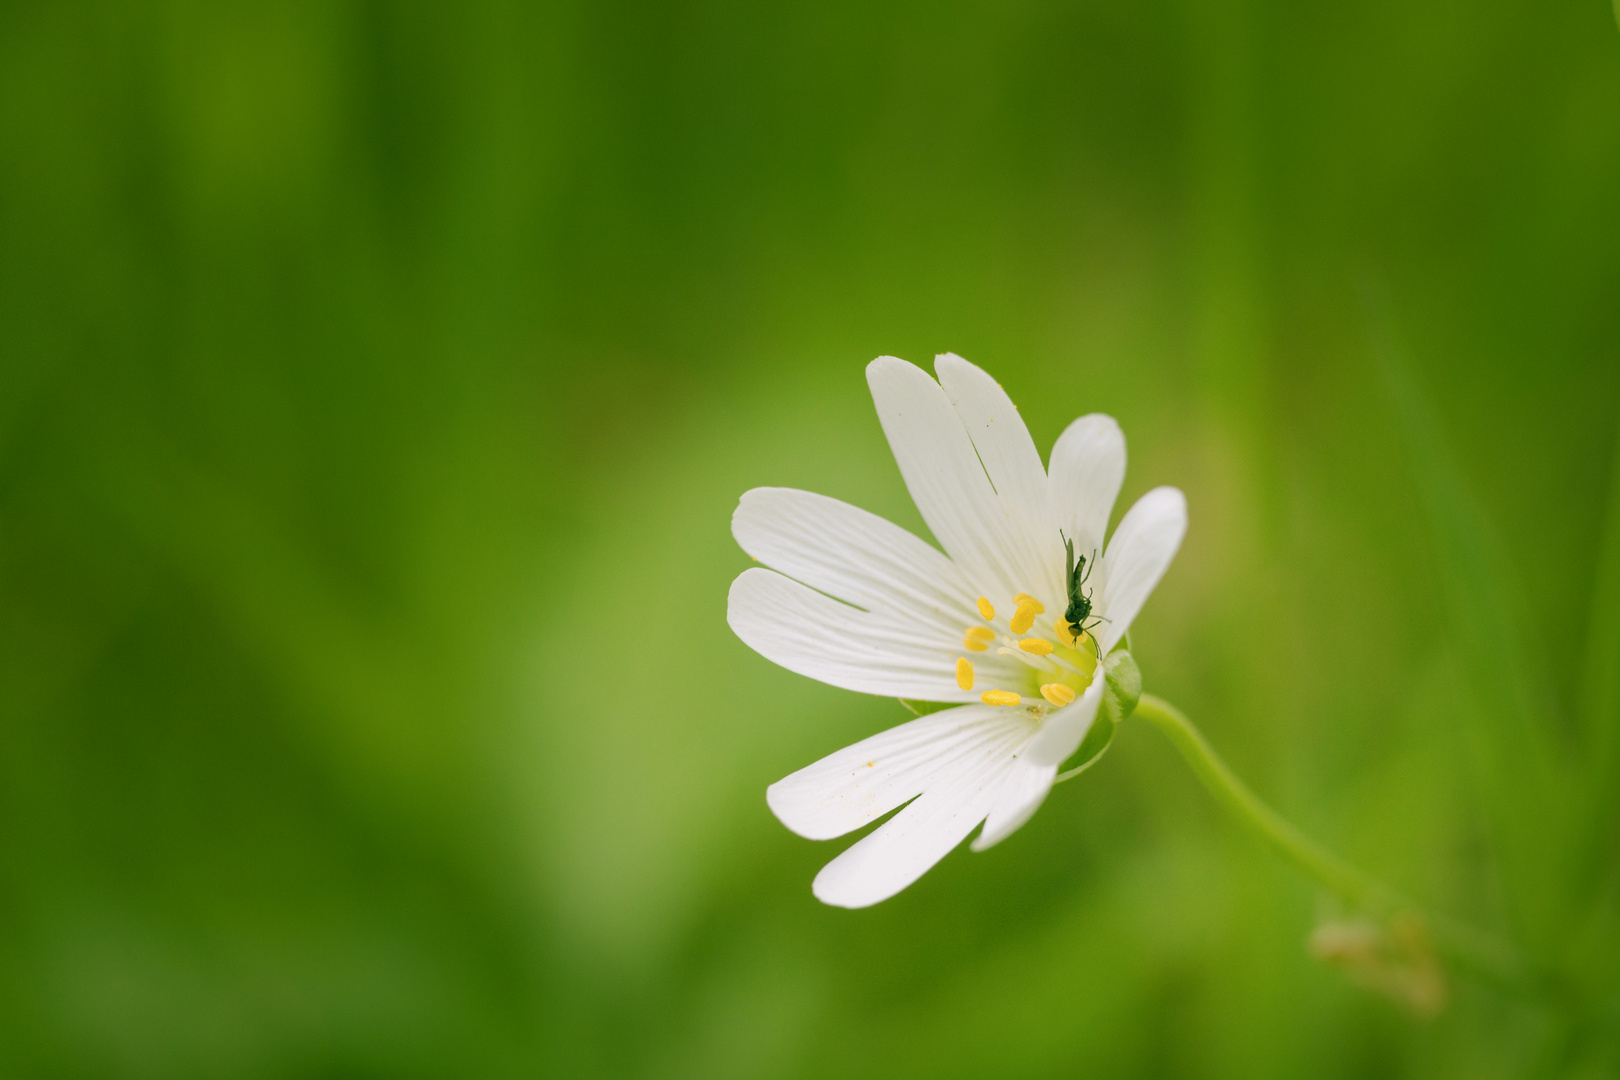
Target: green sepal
{"points": [[1121, 692], [1092, 746], [923, 708], [1124, 687]]}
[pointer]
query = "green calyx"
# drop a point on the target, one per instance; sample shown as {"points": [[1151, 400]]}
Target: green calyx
{"points": [[1121, 691], [1124, 688]]}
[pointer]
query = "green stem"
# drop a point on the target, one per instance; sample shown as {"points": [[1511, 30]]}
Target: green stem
{"points": [[1479, 953], [1350, 884]]}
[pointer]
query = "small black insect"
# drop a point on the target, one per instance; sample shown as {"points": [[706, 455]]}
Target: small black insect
{"points": [[1075, 576]]}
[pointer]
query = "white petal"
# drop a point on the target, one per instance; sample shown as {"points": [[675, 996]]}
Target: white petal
{"points": [[943, 474], [1065, 728], [860, 783], [1023, 790], [916, 838], [1138, 554], [854, 556], [821, 638], [1014, 467], [1088, 467]]}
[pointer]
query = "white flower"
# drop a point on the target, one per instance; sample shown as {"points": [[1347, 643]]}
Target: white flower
{"points": [[855, 601]]}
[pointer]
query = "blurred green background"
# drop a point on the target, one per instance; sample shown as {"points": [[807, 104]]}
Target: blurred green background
{"points": [[376, 383]]}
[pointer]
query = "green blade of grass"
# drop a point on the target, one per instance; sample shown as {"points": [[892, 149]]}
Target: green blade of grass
{"points": [[1600, 727], [1600, 674], [1509, 719]]}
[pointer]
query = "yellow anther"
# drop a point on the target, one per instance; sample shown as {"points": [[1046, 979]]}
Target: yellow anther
{"points": [[978, 638], [1024, 617], [1065, 633], [986, 609], [964, 673], [1038, 646], [1022, 598], [1057, 693], [1000, 697]]}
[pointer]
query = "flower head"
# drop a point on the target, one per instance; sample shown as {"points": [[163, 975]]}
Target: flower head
{"points": [[855, 601]]}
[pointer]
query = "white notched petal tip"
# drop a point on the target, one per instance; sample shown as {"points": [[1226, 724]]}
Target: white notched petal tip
{"points": [[959, 763], [789, 809], [928, 427], [1028, 545], [904, 849], [1097, 431], [891, 366], [1170, 503], [836, 890]]}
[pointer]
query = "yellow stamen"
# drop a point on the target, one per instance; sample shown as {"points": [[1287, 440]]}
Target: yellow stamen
{"points": [[978, 638], [1057, 693], [1065, 633], [1038, 646], [1000, 697], [986, 609], [1022, 598], [964, 673], [1024, 617]]}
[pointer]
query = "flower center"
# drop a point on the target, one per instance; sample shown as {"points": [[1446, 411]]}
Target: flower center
{"points": [[1051, 661]]}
